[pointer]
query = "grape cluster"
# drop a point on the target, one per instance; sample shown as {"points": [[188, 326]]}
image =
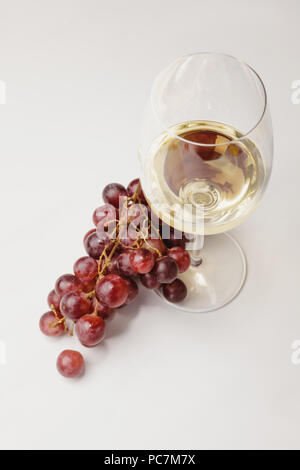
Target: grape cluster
{"points": [[126, 248]]}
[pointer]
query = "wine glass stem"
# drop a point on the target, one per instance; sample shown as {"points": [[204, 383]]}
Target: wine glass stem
{"points": [[195, 249]]}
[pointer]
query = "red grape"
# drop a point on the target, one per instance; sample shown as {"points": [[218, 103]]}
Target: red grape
{"points": [[150, 281], [105, 214], [137, 213], [136, 216], [132, 188], [89, 286], [70, 363], [90, 330], [74, 305], [127, 239], [173, 238], [181, 257], [124, 264], [176, 291], [112, 290], [49, 326], [112, 192], [165, 270], [67, 283], [142, 260], [54, 299], [93, 230], [155, 222], [112, 267], [133, 290], [102, 310], [86, 268], [155, 245], [94, 245]]}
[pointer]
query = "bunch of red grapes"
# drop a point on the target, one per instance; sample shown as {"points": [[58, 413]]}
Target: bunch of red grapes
{"points": [[126, 247]]}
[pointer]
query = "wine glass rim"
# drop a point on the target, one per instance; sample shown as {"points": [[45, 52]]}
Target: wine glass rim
{"points": [[233, 141]]}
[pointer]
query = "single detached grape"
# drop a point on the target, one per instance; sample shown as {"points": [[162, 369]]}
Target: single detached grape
{"points": [[175, 292], [74, 305], [132, 188], [142, 260], [133, 290], [70, 363], [94, 245], [112, 290], [90, 330], [49, 325], [86, 268], [101, 310], [54, 299], [124, 264], [104, 214], [181, 257], [150, 281], [165, 270], [112, 192], [67, 283]]}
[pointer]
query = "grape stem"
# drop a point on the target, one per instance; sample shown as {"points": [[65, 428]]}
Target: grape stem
{"points": [[95, 312], [71, 332], [137, 244], [59, 320]]}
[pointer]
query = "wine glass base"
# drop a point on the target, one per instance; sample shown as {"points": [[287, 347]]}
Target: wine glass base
{"points": [[219, 278]]}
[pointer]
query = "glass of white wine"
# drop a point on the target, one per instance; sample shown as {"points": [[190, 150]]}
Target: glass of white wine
{"points": [[206, 152]]}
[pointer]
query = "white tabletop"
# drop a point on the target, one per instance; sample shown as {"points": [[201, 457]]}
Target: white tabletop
{"points": [[77, 75]]}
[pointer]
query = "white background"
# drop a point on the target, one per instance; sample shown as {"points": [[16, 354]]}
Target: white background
{"points": [[78, 73]]}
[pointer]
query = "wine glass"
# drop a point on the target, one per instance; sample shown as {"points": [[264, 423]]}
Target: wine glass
{"points": [[206, 152]]}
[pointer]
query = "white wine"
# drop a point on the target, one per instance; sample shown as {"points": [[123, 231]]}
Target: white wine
{"points": [[203, 177]]}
